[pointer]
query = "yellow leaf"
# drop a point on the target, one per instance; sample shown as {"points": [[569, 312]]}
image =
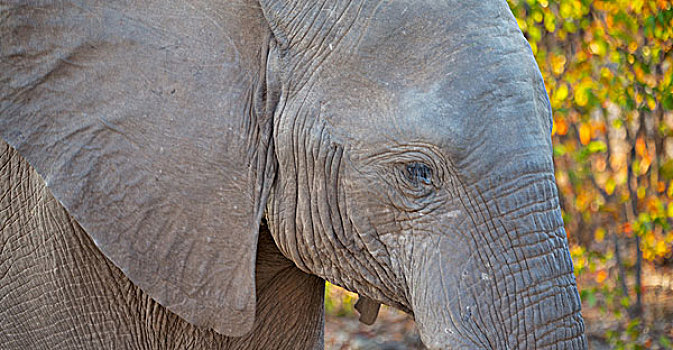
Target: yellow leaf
{"points": [[599, 235], [565, 10], [550, 23], [522, 24], [537, 17], [651, 103], [669, 212], [581, 97], [610, 186], [661, 249], [639, 98], [606, 73], [597, 48], [561, 93], [558, 64], [641, 192]]}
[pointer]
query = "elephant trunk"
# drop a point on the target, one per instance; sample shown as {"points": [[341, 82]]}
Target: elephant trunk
{"points": [[502, 278]]}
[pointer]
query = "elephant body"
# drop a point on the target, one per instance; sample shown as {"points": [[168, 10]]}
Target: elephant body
{"points": [[188, 174], [60, 292]]}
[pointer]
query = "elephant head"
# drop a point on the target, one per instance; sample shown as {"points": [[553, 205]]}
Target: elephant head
{"points": [[399, 149]]}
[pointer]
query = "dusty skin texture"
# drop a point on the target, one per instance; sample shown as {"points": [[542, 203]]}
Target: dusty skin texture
{"points": [[57, 291], [399, 149]]}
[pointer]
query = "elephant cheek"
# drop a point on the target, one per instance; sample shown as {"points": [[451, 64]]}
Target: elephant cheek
{"points": [[499, 288]]}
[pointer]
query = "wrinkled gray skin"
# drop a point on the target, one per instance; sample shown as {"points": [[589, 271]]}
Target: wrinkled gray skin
{"points": [[399, 149]]}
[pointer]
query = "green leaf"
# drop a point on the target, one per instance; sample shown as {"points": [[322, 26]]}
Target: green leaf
{"points": [[597, 147], [624, 301], [667, 102], [591, 299]]}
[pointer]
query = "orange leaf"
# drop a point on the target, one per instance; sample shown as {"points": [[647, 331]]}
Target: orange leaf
{"points": [[561, 126], [601, 276], [585, 134], [626, 228], [661, 186], [641, 148]]}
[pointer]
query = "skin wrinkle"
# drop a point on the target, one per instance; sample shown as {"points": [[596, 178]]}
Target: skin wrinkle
{"points": [[336, 172], [337, 187], [305, 128], [511, 273], [525, 259], [457, 295], [479, 311], [357, 42], [391, 273], [376, 270], [296, 224], [317, 40], [460, 304], [327, 209], [533, 303], [308, 231], [370, 235], [325, 220], [282, 213], [488, 245], [499, 295], [567, 325], [551, 230], [403, 230], [312, 58], [525, 328], [357, 232], [330, 47], [306, 31], [500, 213], [350, 26], [471, 324]]}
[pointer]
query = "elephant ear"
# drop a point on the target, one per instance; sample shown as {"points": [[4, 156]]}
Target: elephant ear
{"points": [[150, 122]]}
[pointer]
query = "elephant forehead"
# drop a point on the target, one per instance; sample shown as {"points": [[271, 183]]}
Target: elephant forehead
{"points": [[441, 72], [417, 41], [443, 116], [457, 51]]}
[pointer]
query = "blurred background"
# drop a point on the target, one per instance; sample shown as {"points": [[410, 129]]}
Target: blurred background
{"points": [[608, 70]]}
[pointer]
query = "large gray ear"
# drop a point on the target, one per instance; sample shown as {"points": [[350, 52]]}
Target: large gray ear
{"points": [[149, 122]]}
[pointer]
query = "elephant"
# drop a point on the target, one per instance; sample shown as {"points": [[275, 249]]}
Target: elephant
{"points": [[188, 174]]}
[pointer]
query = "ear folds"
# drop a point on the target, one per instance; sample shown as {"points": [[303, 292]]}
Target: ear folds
{"points": [[155, 135]]}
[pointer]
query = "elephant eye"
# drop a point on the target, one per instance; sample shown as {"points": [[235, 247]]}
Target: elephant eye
{"points": [[418, 174]]}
